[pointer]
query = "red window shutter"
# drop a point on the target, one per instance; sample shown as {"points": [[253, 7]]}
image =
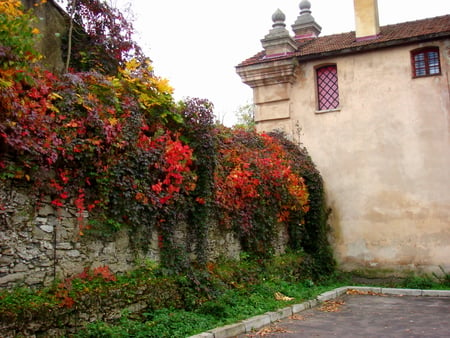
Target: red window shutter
{"points": [[327, 87]]}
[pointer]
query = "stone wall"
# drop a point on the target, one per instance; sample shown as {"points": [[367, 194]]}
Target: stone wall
{"points": [[41, 243]]}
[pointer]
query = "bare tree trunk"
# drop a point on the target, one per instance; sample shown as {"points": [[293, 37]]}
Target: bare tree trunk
{"points": [[69, 42]]}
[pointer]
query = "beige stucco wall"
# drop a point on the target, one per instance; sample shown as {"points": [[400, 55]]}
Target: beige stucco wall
{"points": [[384, 157]]}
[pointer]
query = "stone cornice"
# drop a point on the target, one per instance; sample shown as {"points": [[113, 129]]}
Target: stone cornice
{"points": [[268, 73]]}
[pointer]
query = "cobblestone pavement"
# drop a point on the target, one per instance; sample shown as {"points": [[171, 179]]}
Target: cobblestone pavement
{"points": [[366, 316]]}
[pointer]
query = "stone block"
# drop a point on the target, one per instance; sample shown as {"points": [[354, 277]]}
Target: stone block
{"points": [[401, 292], [300, 307], [13, 278], [73, 253], [45, 245], [280, 314], [26, 256], [365, 289], [256, 322], [20, 267], [436, 293], [43, 262], [46, 228], [110, 249], [64, 246], [6, 260], [313, 302], [39, 234], [341, 291], [45, 210], [8, 252], [229, 330], [35, 278], [203, 335], [326, 296]]}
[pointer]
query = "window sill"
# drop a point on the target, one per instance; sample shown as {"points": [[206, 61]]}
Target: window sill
{"points": [[328, 111], [426, 75]]}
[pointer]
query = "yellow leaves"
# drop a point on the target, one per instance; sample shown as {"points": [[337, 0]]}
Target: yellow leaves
{"points": [[113, 121], [141, 74], [5, 83], [146, 101], [11, 8], [132, 65], [280, 296], [20, 174], [35, 31], [162, 85], [54, 96]]}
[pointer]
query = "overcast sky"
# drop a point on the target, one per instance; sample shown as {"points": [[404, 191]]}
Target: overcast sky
{"points": [[196, 44]]}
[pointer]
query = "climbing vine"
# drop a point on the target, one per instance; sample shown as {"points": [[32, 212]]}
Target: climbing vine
{"points": [[257, 188], [119, 148], [99, 37]]}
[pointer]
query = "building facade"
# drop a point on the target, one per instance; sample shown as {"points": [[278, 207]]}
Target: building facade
{"points": [[373, 109]]}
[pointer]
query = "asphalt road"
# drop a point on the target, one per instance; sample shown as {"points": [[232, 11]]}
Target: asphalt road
{"points": [[366, 316]]}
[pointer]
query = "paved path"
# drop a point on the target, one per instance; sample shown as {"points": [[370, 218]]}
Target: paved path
{"points": [[366, 316]]}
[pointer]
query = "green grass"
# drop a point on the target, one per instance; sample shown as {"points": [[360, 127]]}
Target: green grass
{"points": [[230, 307], [181, 305]]}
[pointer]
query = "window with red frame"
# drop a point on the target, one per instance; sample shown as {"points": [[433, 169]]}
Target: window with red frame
{"points": [[425, 62], [327, 87]]}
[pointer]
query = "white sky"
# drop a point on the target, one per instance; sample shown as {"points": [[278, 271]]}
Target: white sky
{"points": [[196, 44]]}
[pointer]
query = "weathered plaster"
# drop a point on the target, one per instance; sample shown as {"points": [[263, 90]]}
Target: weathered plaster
{"points": [[384, 156]]}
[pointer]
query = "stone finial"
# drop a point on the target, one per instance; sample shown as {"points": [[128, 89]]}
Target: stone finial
{"points": [[305, 26], [278, 19], [305, 7], [278, 41]]}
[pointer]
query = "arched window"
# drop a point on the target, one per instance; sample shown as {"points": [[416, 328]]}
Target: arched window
{"points": [[425, 62], [327, 87]]}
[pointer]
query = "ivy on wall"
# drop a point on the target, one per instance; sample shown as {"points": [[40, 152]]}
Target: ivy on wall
{"points": [[119, 147]]}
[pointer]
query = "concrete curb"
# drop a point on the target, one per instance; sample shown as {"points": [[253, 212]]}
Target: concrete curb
{"points": [[257, 322]]}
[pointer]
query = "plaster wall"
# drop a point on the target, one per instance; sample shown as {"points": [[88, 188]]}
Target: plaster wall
{"points": [[384, 157], [53, 28]]}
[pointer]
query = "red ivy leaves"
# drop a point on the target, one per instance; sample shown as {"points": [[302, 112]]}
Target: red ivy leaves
{"points": [[176, 168], [254, 172], [64, 292]]}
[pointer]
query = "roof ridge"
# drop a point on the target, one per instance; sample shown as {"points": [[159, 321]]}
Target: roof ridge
{"points": [[390, 35], [391, 25]]}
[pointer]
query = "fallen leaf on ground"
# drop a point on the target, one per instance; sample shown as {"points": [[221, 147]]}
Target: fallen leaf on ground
{"points": [[280, 296], [331, 305], [297, 317], [267, 331], [360, 292]]}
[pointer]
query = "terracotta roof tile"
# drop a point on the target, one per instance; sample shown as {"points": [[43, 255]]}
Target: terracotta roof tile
{"points": [[391, 35]]}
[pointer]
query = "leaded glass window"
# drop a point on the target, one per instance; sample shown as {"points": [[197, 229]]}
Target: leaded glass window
{"points": [[327, 87]]}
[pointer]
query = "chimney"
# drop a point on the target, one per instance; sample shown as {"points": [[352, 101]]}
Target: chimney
{"points": [[366, 19]]}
